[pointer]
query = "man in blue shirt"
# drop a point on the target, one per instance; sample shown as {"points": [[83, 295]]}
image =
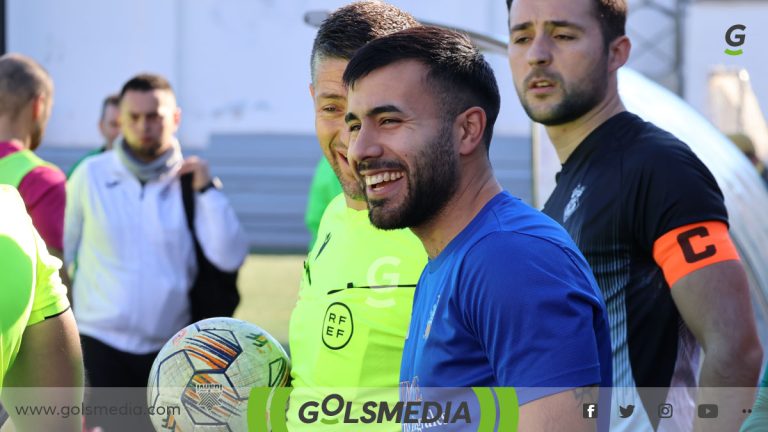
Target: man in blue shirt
{"points": [[506, 299]]}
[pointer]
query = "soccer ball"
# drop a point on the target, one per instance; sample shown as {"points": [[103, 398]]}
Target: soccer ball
{"points": [[201, 379]]}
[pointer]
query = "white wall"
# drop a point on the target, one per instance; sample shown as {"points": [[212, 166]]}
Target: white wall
{"points": [[706, 24], [236, 65]]}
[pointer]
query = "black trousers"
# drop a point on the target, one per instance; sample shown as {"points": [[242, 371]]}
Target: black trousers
{"points": [[116, 398]]}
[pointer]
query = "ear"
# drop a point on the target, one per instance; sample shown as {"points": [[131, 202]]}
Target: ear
{"points": [[312, 90], [618, 53], [177, 117], [38, 106], [471, 124]]}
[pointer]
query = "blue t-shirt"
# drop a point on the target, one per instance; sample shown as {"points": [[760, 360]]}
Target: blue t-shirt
{"points": [[510, 302]]}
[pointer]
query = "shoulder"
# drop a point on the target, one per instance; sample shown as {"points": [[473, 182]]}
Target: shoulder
{"points": [[649, 147], [43, 180], [10, 199], [334, 211], [516, 223], [520, 251], [97, 165]]}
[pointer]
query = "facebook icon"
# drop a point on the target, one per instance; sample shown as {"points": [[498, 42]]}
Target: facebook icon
{"points": [[590, 410]]}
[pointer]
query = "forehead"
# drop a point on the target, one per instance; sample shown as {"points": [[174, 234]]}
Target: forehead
{"points": [[136, 100], [111, 110], [328, 76], [539, 11], [402, 84]]}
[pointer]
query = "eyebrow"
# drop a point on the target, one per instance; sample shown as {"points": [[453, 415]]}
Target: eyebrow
{"points": [[375, 111], [334, 96], [552, 23]]}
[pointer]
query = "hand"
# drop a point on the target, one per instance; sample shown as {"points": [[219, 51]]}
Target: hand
{"points": [[199, 169]]}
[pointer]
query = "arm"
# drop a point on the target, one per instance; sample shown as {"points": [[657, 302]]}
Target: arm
{"points": [[560, 412], [73, 226], [539, 318], [219, 231], [49, 356], [45, 195], [714, 302]]}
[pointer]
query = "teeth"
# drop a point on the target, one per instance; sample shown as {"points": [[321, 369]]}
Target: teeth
{"points": [[382, 177], [542, 84]]}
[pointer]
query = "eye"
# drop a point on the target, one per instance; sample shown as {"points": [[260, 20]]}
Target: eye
{"points": [[521, 40], [564, 37], [354, 127], [330, 108], [386, 121]]}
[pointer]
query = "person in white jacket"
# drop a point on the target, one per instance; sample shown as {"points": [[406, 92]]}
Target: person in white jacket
{"points": [[126, 236]]}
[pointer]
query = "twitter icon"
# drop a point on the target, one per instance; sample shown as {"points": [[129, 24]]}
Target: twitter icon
{"points": [[627, 411]]}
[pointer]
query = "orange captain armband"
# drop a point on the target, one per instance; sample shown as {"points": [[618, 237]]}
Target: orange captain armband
{"points": [[684, 250]]}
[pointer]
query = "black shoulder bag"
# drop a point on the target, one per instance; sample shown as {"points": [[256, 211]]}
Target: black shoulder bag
{"points": [[214, 292]]}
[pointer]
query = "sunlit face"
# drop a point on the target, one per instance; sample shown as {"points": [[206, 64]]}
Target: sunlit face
{"points": [[401, 147], [148, 121], [330, 100], [558, 59], [109, 126]]}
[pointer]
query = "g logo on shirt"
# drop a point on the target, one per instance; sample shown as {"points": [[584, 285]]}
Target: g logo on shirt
{"points": [[337, 326]]}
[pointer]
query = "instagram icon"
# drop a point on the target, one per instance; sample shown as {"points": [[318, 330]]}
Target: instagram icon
{"points": [[665, 411]]}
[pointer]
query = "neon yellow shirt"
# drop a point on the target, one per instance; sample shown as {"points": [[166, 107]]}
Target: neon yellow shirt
{"points": [[349, 324], [30, 287]]}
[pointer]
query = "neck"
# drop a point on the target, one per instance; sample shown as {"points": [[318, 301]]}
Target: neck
{"points": [[13, 131], [355, 204], [465, 204], [568, 136]]}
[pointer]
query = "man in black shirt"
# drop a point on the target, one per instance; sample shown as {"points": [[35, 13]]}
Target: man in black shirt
{"points": [[647, 214]]}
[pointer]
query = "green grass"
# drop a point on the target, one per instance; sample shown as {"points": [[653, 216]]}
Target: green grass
{"points": [[268, 287]]}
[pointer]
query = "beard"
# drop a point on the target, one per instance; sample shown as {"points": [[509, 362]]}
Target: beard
{"points": [[429, 185], [578, 98], [36, 136], [349, 184], [146, 152]]}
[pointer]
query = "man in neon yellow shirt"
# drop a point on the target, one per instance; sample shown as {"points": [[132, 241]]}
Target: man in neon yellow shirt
{"points": [[349, 324], [39, 345], [324, 188]]}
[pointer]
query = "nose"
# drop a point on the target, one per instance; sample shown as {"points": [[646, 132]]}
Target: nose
{"points": [[362, 146], [540, 51]]}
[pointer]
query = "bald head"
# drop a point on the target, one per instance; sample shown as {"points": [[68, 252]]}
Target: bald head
{"points": [[21, 80]]}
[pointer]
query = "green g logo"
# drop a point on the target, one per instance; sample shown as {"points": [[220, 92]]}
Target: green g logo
{"points": [[734, 39], [337, 326]]}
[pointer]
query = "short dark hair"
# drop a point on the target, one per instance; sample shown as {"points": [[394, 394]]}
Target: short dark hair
{"points": [[612, 15], [458, 74], [350, 27], [21, 80], [146, 82], [113, 99]]}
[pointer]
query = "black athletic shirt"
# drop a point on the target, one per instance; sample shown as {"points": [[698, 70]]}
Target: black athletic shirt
{"points": [[627, 184]]}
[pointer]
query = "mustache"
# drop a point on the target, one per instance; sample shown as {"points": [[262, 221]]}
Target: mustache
{"points": [[540, 74], [379, 164]]}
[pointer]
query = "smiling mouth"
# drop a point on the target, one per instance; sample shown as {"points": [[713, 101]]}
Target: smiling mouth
{"points": [[380, 180]]}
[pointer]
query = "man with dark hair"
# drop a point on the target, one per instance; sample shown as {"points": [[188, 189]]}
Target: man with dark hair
{"points": [[648, 216], [506, 298], [348, 327], [126, 228], [109, 127], [26, 98], [338, 39]]}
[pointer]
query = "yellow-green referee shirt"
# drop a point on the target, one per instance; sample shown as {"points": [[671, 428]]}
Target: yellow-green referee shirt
{"points": [[30, 287], [354, 307]]}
